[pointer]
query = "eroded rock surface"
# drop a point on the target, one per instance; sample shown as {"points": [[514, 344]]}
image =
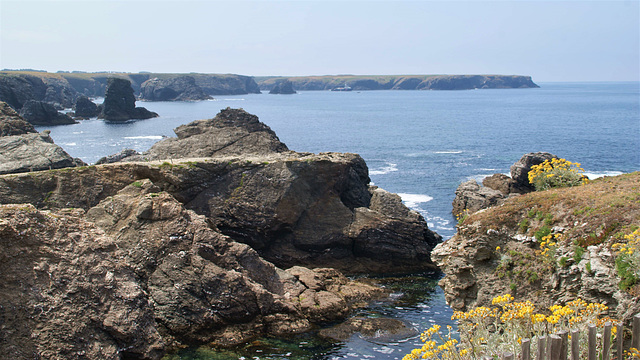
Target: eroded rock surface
{"points": [[11, 123], [32, 152], [120, 103], [43, 113]]}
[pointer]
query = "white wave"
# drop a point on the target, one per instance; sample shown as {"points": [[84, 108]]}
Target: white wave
{"points": [[448, 152], [232, 99], [391, 167], [149, 137], [412, 201], [595, 175], [70, 144]]}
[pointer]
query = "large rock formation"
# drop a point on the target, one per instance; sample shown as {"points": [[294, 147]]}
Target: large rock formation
{"points": [[85, 108], [43, 113], [283, 87], [138, 274], [120, 103], [32, 152], [11, 123], [181, 88], [231, 132], [498, 250], [520, 170]]}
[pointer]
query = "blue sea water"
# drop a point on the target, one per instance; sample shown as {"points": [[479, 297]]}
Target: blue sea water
{"points": [[420, 144]]}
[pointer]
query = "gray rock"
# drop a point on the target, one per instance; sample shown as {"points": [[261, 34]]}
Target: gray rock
{"points": [[85, 108], [520, 170], [42, 113], [504, 184], [32, 152], [472, 197], [283, 87], [120, 103], [117, 157], [11, 123]]}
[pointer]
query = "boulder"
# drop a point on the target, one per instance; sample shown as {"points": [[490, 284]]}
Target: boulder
{"points": [[85, 108], [283, 87], [11, 123], [504, 184], [181, 88], [43, 113], [117, 157], [32, 152], [120, 103], [520, 170], [472, 197]]}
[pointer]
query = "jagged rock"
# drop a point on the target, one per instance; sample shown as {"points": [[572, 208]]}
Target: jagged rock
{"points": [[11, 123], [32, 152], [520, 170], [85, 108], [231, 132], [145, 274], [283, 87], [117, 157], [472, 197], [42, 113], [378, 330], [15, 90], [182, 88], [120, 103]]}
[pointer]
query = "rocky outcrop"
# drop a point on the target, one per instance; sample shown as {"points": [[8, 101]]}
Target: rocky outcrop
{"points": [[520, 170], [85, 108], [471, 197], [417, 82], [16, 90], [283, 87], [145, 275], [32, 152], [226, 84], [109, 159], [43, 113], [181, 88], [231, 132], [11, 123], [120, 103], [499, 250]]}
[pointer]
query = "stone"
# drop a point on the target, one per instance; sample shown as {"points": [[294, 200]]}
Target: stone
{"points": [[378, 330], [42, 113], [11, 123], [85, 108], [520, 170], [120, 103], [504, 184], [181, 88], [471, 197], [32, 152], [117, 157], [283, 87]]}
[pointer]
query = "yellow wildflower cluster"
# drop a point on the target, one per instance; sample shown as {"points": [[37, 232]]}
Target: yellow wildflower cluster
{"points": [[556, 173], [490, 331], [549, 243], [628, 259], [460, 217], [632, 245]]}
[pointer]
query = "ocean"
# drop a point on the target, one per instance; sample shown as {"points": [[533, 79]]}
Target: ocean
{"points": [[419, 144]]}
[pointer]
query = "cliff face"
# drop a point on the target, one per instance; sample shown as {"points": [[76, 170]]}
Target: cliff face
{"points": [[417, 82], [498, 250]]}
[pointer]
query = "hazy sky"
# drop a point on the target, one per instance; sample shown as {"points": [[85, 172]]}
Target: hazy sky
{"points": [[549, 40]]}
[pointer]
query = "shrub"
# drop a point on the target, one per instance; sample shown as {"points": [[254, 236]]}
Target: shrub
{"points": [[628, 260], [491, 331], [556, 173]]}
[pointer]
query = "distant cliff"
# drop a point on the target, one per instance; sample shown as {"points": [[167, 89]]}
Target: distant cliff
{"points": [[402, 82]]}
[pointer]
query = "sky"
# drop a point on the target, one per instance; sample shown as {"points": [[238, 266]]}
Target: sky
{"points": [[548, 40]]}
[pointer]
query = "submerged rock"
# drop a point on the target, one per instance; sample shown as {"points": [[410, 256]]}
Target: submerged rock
{"points": [[378, 330], [120, 103]]}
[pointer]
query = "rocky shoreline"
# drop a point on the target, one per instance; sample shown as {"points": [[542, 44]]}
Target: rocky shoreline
{"points": [[133, 258]]}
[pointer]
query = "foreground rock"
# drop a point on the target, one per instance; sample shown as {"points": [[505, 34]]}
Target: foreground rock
{"points": [[32, 152], [120, 103], [11, 123], [378, 330], [183, 88], [42, 113], [497, 251], [144, 275]]}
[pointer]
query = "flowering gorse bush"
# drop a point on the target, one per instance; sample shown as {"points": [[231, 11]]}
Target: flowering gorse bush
{"points": [[628, 260], [556, 173], [491, 331]]}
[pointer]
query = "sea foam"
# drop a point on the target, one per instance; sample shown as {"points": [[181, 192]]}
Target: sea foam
{"points": [[149, 137], [390, 167]]}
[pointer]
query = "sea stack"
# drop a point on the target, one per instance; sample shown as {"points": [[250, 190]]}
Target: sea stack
{"points": [[120, 103]]}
